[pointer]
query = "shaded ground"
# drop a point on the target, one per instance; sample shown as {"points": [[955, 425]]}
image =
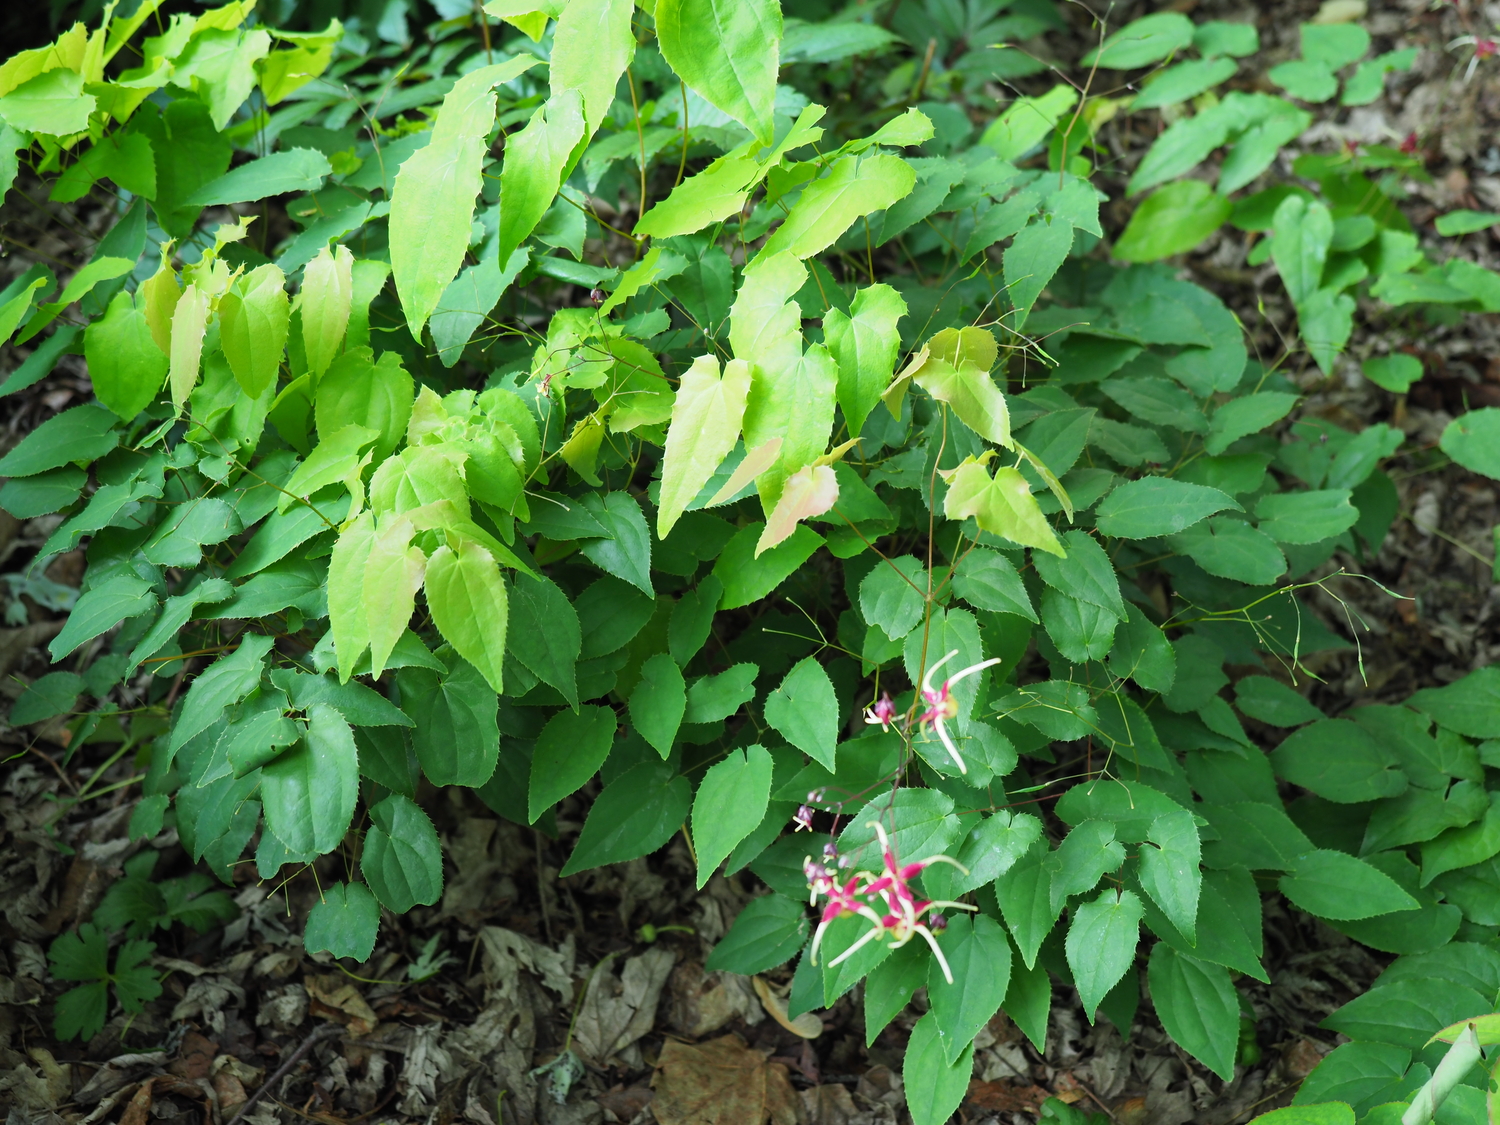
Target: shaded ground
{"points": [[609, 963]]}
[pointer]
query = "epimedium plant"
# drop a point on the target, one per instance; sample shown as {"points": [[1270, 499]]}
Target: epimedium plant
{"points": [[875, 494]]}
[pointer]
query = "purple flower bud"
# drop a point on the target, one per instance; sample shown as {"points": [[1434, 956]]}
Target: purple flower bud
{"points": [[802, 818]]}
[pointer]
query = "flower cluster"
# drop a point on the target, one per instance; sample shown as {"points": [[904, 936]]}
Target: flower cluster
{"points": [[886, 900], [940, 705]]}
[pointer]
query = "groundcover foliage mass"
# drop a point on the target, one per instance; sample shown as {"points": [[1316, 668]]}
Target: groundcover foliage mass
{"points": [[876, 488]]}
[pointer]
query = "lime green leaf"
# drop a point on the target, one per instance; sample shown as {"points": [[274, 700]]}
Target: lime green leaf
{"points": [[805, 710], [635, 814], [281, 173], [433, 199], [1197, 1005], [706, 197], [392, 576], [220, 63], [253, 319], [310, 791], [125, 365], [955, 368], [706, 418], [978, 955], [934, 1086], [658, 703], [807, 493], [730, 803], [1305, 79], [1186, 80], [1152, 506], [402, 859], [1031, 260], [1026, 121], [1002, 506], [1465, 222], [1338, 886], [535, 159], [52, 103], [864, 343], [344, 921], [355, 391], [1473, 440], [469, 606], [83, 282], [796, 406], [591, 47], [325, 300], [1172, 220], [1101, 942], [346, 593], [726, 51], [1395, 373], [1142, 42], [189, 322], [853, 186], [1306, 517]]}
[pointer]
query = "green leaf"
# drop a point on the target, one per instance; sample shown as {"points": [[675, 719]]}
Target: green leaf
{"points": [[81, 433], [535, 159], [52, 103], [1305, 79], [1339, 761], [864, 343], [281, 173], [693, 619], [1085, 573], [627, 552], [1143, 653], [954, 368], [457, 734], [1465, 222], [988, 580], [1142, 42], [1025, 896], [569, 751], [50, 695], [1081, 631], [1230, 548], [1473, 440], [893, 595], [1353, 1072], [1173, 219], [125, 365], [1152, 506], [634, 815], [853, 186], [1463, 847], [200, 154], [433, 199], [730, 803], [934, 1086], [344, 921], [327, 294], [1334, 885], [310, 792], [100, 609], [1185, 80], [81, 1011], [747, 577], [609, 612], [768, 932], [706, 417], [1335, 45], [712, 698], [1302, 233], [402, 859], [1405, 1013], [1306, 517], [253, 325], [658, 703], [1031, 260], [1326, 320], [1273, 702], [1169, 870], [591, 47], [1246, 415], [1101, 942], [1470, 706], [1198, 1006], [468, 601], [890, 985], [726, 51], [978, 954], [1089, 852], [805, 710], [547, 635], [706, 197], [1027, 121]]}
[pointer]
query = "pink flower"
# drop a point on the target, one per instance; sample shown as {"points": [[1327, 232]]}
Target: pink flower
{"points": [[882, 712], [941, 706], [802, 818], [1483, 49], [903, 913]]}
